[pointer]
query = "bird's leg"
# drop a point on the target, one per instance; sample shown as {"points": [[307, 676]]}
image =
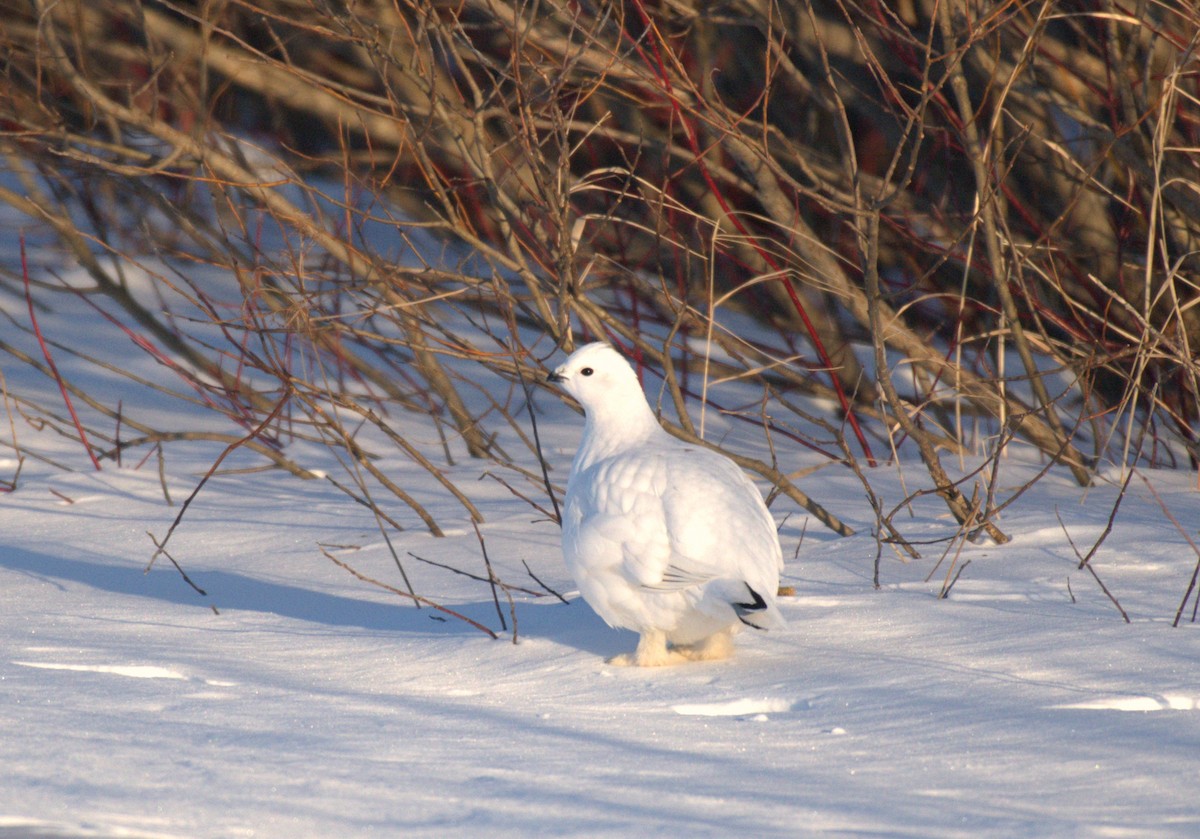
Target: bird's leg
{"points": [[651, 651], [713, 648]]}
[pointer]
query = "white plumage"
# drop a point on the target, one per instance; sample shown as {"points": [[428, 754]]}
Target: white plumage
{"points": [[668, 539]]}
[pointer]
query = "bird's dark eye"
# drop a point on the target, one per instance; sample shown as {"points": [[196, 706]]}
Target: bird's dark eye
{"points": [[586, 371]]}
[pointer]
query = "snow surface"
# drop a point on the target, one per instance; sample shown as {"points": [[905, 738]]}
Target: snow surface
{"points": [[295, 700]]}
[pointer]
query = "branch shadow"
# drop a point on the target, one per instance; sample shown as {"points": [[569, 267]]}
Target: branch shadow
{"points": [[572, 624]]}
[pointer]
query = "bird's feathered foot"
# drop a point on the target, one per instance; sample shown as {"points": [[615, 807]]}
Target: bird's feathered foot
{"points": [[652, 651], [715, 647]]}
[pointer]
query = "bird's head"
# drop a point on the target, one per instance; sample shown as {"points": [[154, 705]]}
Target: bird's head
{"points": [[598, 377]]}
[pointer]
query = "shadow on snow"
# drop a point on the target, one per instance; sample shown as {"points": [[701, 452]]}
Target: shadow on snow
{"points": [[573, 625]]}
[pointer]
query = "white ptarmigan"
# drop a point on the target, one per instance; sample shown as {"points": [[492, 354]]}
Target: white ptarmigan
{"points": [[668, 539]]}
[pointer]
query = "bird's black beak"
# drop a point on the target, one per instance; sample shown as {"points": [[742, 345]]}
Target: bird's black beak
{"points": [[555, 377]]}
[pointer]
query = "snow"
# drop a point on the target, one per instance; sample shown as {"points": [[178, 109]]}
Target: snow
{"points": [[294, 699]]}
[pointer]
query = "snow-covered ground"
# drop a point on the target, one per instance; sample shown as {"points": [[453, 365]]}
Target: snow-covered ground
{"points": [[293, 699]]}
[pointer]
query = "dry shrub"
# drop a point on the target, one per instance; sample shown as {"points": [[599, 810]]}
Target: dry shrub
{"points": [[993, 205]]}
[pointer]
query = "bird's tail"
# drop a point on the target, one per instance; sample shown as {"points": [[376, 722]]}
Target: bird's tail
{"points": [[757, 611]]}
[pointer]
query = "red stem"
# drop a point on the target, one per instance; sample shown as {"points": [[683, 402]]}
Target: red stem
{"points": [[62, 386], [694, 143]]}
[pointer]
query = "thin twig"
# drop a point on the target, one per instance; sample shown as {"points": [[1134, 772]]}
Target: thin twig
{"points": [[160, 547], [1187, 538], [545, 587], [1086, 563], [62, 387], [416, 598], [537, 442], [471, 576], [491, 578]]}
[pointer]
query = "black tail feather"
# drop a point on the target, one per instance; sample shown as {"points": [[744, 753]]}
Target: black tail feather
{"points": [[748, 610]]}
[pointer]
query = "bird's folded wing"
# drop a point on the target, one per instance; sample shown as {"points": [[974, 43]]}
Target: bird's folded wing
{"points": [[675, 578], [674, 522]]}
